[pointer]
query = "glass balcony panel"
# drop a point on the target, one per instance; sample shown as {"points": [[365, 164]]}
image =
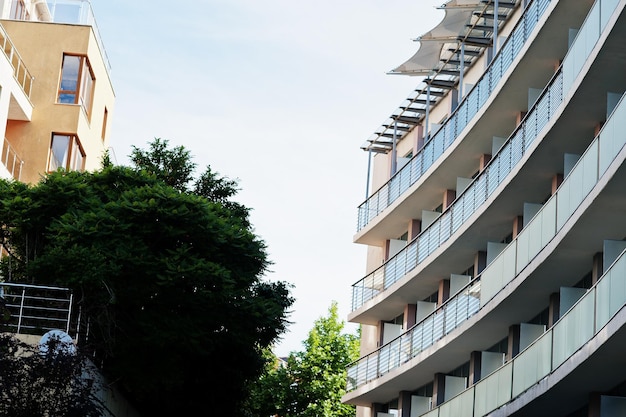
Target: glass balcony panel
{"points": [[493, 391], [574, 329], [532, 364], [461, 405]]}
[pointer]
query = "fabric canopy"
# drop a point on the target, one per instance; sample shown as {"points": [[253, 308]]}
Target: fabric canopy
{"points": [[458, 14]]}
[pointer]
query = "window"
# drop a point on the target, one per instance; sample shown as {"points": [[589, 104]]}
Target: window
{"points": [[66, 153], [77, 82], [18, 10]]}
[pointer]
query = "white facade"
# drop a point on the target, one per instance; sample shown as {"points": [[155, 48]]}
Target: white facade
{"points": [[496, 222]]}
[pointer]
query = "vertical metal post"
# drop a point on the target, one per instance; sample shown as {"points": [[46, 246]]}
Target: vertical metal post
{"points": [[461, 71], [394, 151], [69, 314], [369, 167], [19, 320], [495, 27], [427, 115]]}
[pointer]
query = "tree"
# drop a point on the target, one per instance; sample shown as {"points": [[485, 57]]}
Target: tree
{"points": [[58, 383], [171, 280], [312, 382]]}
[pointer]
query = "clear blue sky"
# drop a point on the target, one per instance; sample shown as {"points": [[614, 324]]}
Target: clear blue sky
{"points": [[279, 95]]}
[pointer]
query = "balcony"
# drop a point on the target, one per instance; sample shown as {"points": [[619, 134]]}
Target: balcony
{"points": [[593, 169], [504, 162], [451, 130], [77, 12], [34, 309], [11, 161], [20, 72]]}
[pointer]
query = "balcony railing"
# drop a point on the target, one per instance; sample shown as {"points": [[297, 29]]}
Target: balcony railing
{"points": [[579, 325], [11, 161], [446, 318], [68, 11], [20, 72], [454, 125], [34, 309], [510, 153], [506, 266], [468, 202]]}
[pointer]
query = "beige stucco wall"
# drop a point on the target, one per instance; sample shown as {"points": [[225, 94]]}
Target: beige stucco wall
{"points": [[42, 46]]}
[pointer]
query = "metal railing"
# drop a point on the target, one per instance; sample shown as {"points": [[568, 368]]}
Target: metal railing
{"points": [[34, 309], [77, 12], [23, 77], [468, 202], [427, 332], [12, 162], [454, 125]]}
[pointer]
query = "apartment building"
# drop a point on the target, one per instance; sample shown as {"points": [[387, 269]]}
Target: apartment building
{"points": [[495, 220], [56, 99], [56, 95]]}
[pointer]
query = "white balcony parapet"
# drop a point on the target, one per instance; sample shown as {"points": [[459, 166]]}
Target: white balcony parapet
{"points": [[21, 74], [454, 125], [11, 161], [514, 259], [466, 204], [77, 12], [499, 167], [551, 350]]}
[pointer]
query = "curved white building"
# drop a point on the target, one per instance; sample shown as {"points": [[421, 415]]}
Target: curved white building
{"points": [[496, 224]]}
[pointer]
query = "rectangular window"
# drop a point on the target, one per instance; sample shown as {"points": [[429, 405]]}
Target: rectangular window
{"points": [[66, 153], [18, 10], [77, 82]]}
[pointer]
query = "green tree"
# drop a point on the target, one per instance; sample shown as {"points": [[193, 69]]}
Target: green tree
{"points": [[312, 382], [171, 280]]}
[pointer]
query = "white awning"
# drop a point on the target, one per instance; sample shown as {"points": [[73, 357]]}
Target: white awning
{"points": [[458, 14]]}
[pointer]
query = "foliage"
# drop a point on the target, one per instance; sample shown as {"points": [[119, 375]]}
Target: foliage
{"points": [[312, 382], [56, 384], [170, 280]]}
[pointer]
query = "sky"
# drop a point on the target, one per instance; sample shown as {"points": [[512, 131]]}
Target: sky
{"points": [[278, 95]]}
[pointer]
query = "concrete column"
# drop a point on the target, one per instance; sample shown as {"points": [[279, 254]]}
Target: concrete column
{"points": [[518, 225], [444, 291], [409, 315], [439, 389], [448, 198], [404, 404], [557, 179], [484, 160], [554, 308], [514, 339], [415, 227], [598, 267], [480, 262], [475, 365]]}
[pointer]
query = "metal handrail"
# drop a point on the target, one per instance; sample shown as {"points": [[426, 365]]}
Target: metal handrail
{"points": [[35, 309], [453, 126], [12, 162], [21, 74]]}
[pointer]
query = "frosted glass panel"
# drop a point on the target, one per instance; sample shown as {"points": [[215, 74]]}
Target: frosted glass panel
{"points": [[493, 391], [532, 364], [548, 222], [460, 406], [611, 250], [530, 210], [574, 330], [419, 405], [612, 406], [490, 361], [568, 297], [454, 385]]}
